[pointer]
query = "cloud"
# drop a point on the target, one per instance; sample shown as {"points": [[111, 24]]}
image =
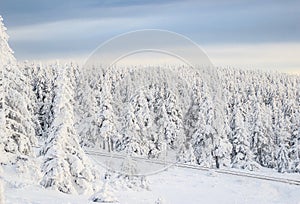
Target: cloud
{"points": [[63, 28], [68, 37], [18, 13], [282, 57]]}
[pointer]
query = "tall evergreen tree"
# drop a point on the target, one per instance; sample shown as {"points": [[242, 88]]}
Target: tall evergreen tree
{"points": [[66, 167], [17, 127]]}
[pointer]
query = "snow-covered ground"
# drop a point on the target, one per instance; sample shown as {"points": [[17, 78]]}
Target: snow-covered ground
{"points": [[176, 185]]}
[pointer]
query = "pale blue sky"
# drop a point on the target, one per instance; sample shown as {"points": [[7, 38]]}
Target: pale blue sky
{"points": [[41, 29]]}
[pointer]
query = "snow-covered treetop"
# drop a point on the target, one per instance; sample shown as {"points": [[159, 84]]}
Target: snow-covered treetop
{"points": [[6, 53]]}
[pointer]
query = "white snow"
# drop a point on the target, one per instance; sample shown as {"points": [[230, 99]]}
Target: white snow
{"points": [[176, 185]]}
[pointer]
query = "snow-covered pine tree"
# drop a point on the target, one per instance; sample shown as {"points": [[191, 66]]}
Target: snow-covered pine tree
{"points": [[2, 111], [282, 162], [186, 154], [17, 125], [198, 126], [294, 143], [43, 86], [6, 53], [107, 122], [29, 72], [221, 145], [131, 141], [96, 121], [296, 150], [145, 122], [174, 132], [282, 158], [65, 167], [242, 156], [6, 56], [87, 107], [261, 136], [160, 119]]}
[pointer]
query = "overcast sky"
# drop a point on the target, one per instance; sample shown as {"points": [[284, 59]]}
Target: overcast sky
{"points": [[260, 34]]}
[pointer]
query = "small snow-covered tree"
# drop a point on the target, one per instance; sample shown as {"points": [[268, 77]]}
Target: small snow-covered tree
{"points": [[105, 195], [129, 175], [186, 154]]}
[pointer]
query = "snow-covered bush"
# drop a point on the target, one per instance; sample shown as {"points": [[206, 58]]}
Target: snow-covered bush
{"points": [[105, 195], [160, 201], [129, 176]]}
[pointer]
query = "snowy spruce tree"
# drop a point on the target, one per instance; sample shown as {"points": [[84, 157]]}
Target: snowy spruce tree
{"points": [[65, 167], [16, 116], [107, 122], [262, 138], [87, 108], [294, 138], [131, 141], [242, 157], [42, 83], [199, 128]]}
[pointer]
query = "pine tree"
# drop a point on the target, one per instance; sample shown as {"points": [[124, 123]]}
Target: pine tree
{"points": [[86, 109], [17, 126], [262, 138], [200, 130], [66, 167], [6, 53], [174, 132], [43, 86], [283, 161], [241, 155], [6, 56], [108, 130], [145, 122], [294, 143], [131, 141], [222, 146]]}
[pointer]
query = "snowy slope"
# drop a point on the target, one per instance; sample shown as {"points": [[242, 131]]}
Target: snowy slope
{"points": [[176, 185]]}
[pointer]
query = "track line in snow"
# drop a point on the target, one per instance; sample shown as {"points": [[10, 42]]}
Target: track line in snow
{"points": [[189, 166]]}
